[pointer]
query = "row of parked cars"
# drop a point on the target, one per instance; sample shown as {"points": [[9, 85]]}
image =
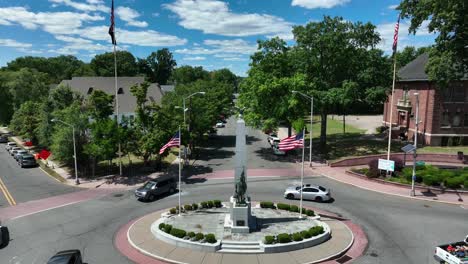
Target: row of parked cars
{"points": [[22, 156]]}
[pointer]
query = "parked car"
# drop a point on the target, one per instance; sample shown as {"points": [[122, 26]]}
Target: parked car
{"points": [[156, 187], [272, 138], [3, 139], [10, 145], [20, 153], [309, 192], [4, 236], [27, 160], [220, 124], [72, 256], [13, 150]]}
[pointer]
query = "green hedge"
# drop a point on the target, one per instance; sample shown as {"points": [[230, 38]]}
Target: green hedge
{"points": [[310, 212], [204, 205], [217, 203], [161, 226], [195, 206], [191, 234], [199, 236], [284, 238], [294, 208], [297, 237], [265, 204], [283, 206], [316, 230], [167, 228], [210, 238], [269, 240], [188, 207], [210, 204], [305, 234], [173, 211], [178, 232]]}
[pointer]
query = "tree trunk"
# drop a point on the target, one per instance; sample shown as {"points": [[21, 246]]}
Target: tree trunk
{"points": [[289, 130], [344, 123], [323, 131]]}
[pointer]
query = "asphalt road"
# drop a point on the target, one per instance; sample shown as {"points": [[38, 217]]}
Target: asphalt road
{"points": [[26, 184], [399, 230]]}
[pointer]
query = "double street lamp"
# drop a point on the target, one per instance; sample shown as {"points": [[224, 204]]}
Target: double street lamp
{"points": [[311, 117], [74, 147], [185, 98]]}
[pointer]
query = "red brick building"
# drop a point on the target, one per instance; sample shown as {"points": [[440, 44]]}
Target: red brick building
{"points": [[443, 112]]}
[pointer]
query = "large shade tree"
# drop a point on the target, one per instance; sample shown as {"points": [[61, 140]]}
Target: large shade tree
{"points": [[158, 66], [103, 64]]}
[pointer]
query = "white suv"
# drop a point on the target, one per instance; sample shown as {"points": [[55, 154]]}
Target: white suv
{"points": [[10, 145], [272, 138]]}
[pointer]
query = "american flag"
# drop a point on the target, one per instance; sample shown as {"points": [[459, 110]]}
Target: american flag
{"points": [[112, 26], [174, 142], [292, 142], [395, 36]]}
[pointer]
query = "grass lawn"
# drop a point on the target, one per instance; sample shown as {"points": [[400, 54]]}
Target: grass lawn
{"points": [[138, 160], [445, 150], [334, 127]]}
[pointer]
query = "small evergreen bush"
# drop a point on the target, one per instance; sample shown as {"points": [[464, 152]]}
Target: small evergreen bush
{"points": [[210, 204], [161, 226], [167, 228], [283, 206], [267, 205], [173, 211], [269, 240], [297, 237], [178, 232], [204, 205], [188, 207], [191, 234], [217, 203], [310, 213], [199, 236], [294, 208], [284, 238], [210, 238], [305, 234]]}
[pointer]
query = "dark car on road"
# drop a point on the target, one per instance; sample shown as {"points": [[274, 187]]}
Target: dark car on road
{"points": [[27, 160], [3, 139], [4, 236], [72, 256], [154, 188]]}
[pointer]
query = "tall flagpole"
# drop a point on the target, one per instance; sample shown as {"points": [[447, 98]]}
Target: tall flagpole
{"points": [[180, 168], [395, 45], [302, 171]]}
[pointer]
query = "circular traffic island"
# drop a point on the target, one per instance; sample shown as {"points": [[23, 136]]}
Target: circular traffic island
{"points": [[200, 233]]}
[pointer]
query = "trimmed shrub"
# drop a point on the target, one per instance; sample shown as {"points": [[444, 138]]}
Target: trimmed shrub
{"points": [[294, 208], [188, 207], [168, 228], [310, 213], [374, 171], [191, 234], [267, 205], [297, 237], [195, 206], [161, 226], [454, 182], [431, 180], [217, 203], [210, 238], [173, 211], [316, 230], [283, 206], [284, 238], [178, 232], [204, 205], [465, 183], [269, 240], [199, 236], [210, 204], [305, 234]]}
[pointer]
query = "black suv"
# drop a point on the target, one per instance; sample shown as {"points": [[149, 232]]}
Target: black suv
{"points": [[156, 187], [72, 256]]}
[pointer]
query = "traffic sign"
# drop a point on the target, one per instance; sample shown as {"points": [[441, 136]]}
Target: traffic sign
{"points": [[388, 165]]}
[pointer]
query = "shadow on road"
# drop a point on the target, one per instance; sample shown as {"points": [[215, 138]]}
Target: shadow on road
{"points": [[267, 154]]}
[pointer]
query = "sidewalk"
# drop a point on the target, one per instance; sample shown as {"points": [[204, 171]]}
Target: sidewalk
{"points": [[339, 174]]}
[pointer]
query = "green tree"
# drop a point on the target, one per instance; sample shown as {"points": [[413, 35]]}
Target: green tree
{"points": [[158, 66], [188, 74], [225, 76], [408, 54], [103, 64], [333, 50], [6, 99], [449, 58], [100, 105], [27, 85], [25, 120], [84, 70]]}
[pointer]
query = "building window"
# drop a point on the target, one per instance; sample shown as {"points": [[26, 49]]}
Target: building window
{"points": [[120, 91], [456, 122], [458, 94], [447, 94], [90, 90], [445, 121], [465, 121]]}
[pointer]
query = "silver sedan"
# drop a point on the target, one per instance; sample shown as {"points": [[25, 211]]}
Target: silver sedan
{"points": [[309, 192]]}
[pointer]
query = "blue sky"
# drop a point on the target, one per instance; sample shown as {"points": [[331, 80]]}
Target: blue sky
{"points": [[210, 33]]}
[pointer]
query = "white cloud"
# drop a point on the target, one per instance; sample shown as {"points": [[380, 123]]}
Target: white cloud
{"points": [[197, 58], [52, 22], [130, 15], [387, 30], [235, 59], [155, 14], [392, 7], [149, 38], [214, 17], [14, 44], [236, 46], [312, 4], [91, 6]]}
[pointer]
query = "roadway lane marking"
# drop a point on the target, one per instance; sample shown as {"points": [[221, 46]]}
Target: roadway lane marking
{"points": [[7, 194], [47, 209]]}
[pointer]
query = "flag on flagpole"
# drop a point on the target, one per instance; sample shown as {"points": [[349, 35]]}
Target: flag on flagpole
{"points": [[292, 142], [395, 35], [174, 142], [112, 26]]}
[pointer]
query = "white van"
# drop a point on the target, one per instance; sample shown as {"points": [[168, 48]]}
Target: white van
{"points": [[10, 145]]}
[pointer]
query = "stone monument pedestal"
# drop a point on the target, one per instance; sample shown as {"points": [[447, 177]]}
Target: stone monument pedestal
{"points": [[240, 219]]}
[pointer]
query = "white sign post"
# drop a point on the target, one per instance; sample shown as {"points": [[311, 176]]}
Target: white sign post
{"points": [[387, 165]]}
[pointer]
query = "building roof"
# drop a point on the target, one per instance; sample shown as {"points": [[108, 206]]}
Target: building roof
{"points": [[127, 102], [415, 70]]}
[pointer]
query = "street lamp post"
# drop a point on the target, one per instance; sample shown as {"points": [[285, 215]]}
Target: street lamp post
{"points": [[311, 119], [77, 181], [416, 127], [185, 98]]}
